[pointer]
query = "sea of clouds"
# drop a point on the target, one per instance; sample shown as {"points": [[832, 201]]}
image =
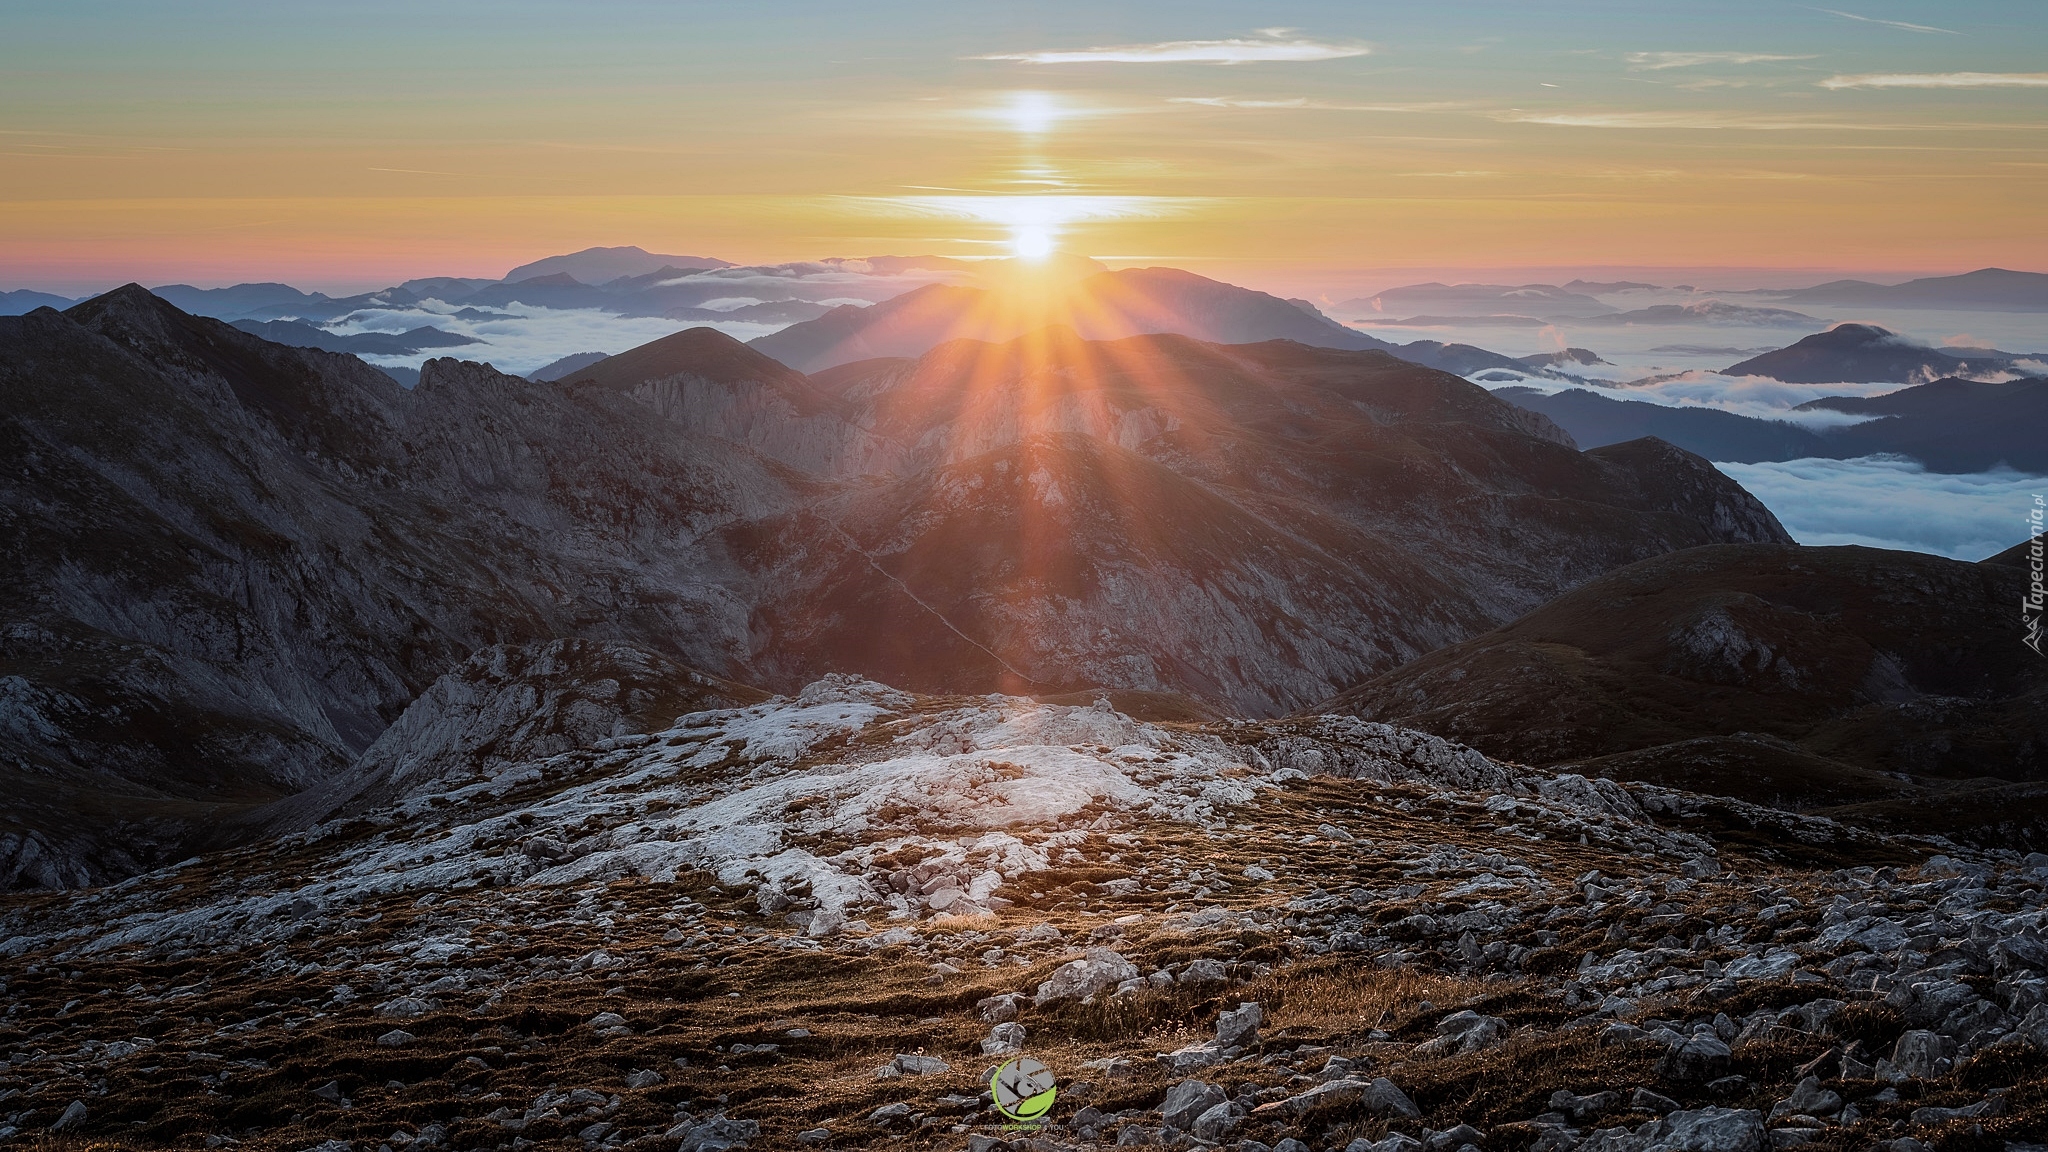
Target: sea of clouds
{"points": [[1890, 502]]}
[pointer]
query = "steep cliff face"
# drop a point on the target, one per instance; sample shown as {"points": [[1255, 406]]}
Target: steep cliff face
{"points": [[232, 565]]}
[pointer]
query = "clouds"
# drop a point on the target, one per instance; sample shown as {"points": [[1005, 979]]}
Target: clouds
{"points": [[1924, 29], [1304, 103], [1888, 502], [526, 338], [1939, 80], [1272, 46], [1708, 121], [1658, 61], [1757, 396]]}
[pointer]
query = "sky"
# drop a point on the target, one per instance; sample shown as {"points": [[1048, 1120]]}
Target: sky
{"points": [[348, 146]]}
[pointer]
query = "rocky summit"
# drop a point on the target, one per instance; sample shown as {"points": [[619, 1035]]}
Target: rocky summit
{"points": [[822, 919]]}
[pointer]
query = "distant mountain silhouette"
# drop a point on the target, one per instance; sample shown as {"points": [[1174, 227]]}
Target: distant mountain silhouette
{"points": [[299, 334], [602, 265], [1705, 313], [1986, 289], [1110, 305], [23, 300], [1475, 300], [1865, 353]]}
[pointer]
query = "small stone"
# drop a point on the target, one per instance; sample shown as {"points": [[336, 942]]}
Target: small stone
{"points": [[396, 1038]]}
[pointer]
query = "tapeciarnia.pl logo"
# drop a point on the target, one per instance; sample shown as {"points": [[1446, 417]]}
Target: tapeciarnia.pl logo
{"points": [[1023, 1090], [2036, 599]]}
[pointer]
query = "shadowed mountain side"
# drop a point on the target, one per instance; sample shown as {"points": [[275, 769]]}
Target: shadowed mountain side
{"points": [[1804, 677], [1108, 306], [1594, 419], [1238, 523], [1949, 425], [714, 385], [1952, 426]]}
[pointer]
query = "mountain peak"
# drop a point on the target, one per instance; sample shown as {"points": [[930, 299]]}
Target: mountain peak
{"points": [[1851, 334], [704, 352], [129, 311], [602, 265]]}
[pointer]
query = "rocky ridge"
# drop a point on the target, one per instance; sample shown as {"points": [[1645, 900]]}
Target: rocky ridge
{"points": [[818, 920]]}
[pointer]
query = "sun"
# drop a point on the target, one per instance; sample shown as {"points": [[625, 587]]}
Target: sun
{"points": [[1033, 242]]}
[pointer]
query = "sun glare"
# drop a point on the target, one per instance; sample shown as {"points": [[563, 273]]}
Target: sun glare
{"points": [[1035, 225], [1034, 113]]}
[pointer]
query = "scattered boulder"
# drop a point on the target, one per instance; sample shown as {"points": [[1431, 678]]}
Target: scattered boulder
{"points": [[1004, 1039], [73, 1116], [718, 1134], [1239, 1026], [1709, 1130], [1698, 1059], [1187, 1100], [1098, 971], [1462, 1032]]}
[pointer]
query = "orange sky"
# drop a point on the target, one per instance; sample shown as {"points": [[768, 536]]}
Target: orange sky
{"points": [[356, 147]]}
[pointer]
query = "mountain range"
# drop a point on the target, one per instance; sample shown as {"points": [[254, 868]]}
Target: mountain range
{"points": [[1952, 425], [235, 563]]}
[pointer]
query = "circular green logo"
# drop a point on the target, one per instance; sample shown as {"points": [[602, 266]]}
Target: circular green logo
{"points": [[1023, 1089]]}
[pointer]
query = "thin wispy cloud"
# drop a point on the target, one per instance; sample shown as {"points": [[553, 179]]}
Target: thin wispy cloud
{"points": [[1724, 121], [1658, 61], [1299, 102], [1271, 46], [1925, 29], [1939, 80]]}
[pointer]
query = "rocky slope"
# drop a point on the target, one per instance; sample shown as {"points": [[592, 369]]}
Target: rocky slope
{"points": [[232, 564], [1886, 688], [821, 920]]}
